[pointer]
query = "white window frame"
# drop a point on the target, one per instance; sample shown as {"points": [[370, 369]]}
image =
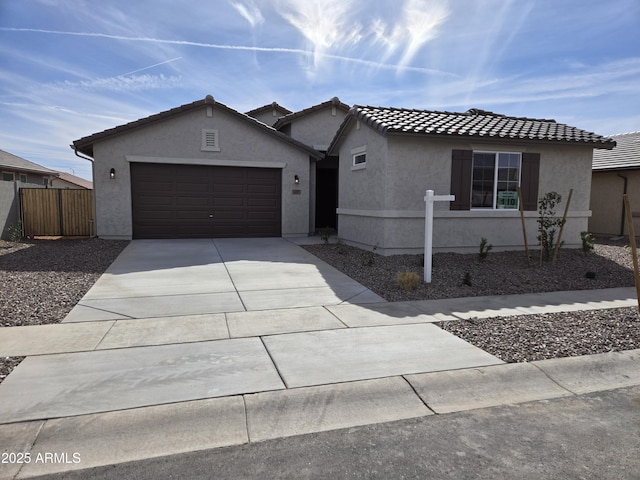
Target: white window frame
{"points": [[209, 134], [356, 153], [495, 178]]}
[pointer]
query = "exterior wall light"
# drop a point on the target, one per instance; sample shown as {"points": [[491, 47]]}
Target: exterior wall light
{"points": [[112, 173], [296, 179]]}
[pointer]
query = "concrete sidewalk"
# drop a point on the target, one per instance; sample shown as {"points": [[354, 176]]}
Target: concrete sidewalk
{"points": [[139, 379]]}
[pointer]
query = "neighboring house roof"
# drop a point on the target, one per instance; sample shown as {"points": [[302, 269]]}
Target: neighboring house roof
{"points": [[474, 123], [81, 182], [287, 119], [266, 108], [625, 155], [13, 162], [85, 144]]}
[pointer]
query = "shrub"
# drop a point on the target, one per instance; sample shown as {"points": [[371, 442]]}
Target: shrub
{"points": [[325, 233], [466, 280], [408, 280], [587, 242], [485, 248], [15, 232], [548, 223]]}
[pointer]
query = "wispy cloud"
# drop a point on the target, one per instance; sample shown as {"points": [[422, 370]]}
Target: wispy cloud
{"points": [[124, 83], [418, 23], [249, 11]]}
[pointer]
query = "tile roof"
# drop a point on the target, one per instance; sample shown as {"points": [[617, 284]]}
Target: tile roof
{"points": [[85, 144], [334, 102], [13, 162], [265, 108], [472, 123], [625, 155], [81, 182]]}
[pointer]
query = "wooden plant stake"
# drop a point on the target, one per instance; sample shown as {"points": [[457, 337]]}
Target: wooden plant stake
{"points": [[564, 220], [632, 242], [524, 228]]}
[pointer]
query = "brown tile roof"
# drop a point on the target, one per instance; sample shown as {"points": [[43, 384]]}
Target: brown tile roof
{"points": [[625, 155], [472, 123], [287, 119], [85, 144], [81, 182]]}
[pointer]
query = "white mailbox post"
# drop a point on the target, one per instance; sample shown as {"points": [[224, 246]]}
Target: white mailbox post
{"points": [[428, 229]]}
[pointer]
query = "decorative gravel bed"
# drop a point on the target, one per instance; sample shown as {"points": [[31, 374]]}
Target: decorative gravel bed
{"points": [[42, 280], [519, 338]]}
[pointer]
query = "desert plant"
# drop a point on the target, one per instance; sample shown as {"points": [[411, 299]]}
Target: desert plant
{"points": [[325, 233], [340, 246], [408, 280], [466, 280], [588, 241], [15, 232], [548, 223], [485, 248], [369, 256]]}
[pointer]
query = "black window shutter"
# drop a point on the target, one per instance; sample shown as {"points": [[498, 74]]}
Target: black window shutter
{"points": [[461, 165], [529, 180]]}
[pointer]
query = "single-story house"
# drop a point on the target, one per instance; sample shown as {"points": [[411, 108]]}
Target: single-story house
{"points": [[66, 180], [316, 126], [269, 114], [17, 172], [389, 157], [199, 170], [616, 172], [17, 169]]}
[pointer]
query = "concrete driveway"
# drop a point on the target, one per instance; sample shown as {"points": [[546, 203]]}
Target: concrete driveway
{"points": [[164, 278]]}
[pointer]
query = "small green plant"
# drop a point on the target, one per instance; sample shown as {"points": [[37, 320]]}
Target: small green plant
{"points": [[408, 280], [485, 248], [15, 232], [369, 256], [466, 280], [548, 223], [590, 275], [588, 241], [340, 247], [325, 233]]}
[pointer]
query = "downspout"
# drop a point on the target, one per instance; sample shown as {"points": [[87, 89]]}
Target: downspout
{"points": [[624, 192], [92, 228]]}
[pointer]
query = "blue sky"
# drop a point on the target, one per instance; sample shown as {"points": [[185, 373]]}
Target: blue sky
{"points": [[70, 68]]}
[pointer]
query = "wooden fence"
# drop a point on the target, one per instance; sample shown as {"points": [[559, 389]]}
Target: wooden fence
{"points": [[56, 211]]}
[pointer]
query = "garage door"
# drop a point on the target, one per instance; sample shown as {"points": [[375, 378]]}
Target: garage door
{"points": [[191, 201]]}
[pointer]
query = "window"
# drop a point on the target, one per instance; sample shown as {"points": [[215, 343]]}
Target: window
{"points": [[7, 176], [495, 178], [488, 180], [359, 157], [23, 178], [45, 181], [210, 141]]}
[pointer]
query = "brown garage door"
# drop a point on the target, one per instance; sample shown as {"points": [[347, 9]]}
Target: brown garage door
{"points": [[191, 201]]}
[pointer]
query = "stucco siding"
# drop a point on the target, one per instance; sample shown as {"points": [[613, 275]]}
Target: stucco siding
{"points": [[390, 197], [317, 129], [179, 140]]}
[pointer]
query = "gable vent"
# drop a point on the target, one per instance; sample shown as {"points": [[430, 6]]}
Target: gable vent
{"points": [[210, 141]]}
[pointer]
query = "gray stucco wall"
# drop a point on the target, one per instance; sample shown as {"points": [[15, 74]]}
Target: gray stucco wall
{"points": [[10, 204], [383, 203], [179, 140], [317, 129]]}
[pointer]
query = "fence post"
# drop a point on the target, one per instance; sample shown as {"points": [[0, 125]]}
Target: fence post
{"points": [[632, 242]]}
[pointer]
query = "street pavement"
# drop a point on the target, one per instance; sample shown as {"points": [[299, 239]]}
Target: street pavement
{"points": [[191, 345]]}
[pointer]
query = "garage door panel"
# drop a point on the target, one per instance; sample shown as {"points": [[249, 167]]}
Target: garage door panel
{"points": [[187, 201]]}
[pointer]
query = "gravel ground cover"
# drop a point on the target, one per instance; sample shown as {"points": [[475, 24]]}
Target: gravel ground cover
{"points": [[520, 338], [42, 280]]}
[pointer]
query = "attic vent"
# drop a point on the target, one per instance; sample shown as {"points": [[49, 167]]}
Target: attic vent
{"points": [[210, 141]]}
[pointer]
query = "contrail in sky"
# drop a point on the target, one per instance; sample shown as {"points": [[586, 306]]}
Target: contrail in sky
{"points": [[295, 51]]}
